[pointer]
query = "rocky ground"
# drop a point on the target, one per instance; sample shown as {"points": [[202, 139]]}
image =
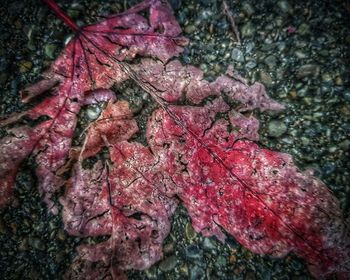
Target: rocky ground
{"points": [[298, 49]]}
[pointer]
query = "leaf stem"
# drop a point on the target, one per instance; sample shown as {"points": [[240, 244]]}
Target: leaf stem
{"points": [[65, 18]]}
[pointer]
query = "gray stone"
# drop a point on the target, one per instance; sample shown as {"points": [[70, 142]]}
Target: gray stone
{"points": [[189, 29], [265, 78], [247, 30], [276, 128], [168, 264], [271, 61], [308, 70], [50, 51], [36, 243], [193, 252], [284, 6], [208, 244], [237, 55], [197, 273], [93, 112], [304, 29], [190, 232], [251, 64], [249, 47], [247, 9]]}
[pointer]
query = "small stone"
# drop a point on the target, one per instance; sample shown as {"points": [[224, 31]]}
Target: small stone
{"points": [[61, 235], [168, 263], [23, 246], [204, 67], [237, 55], [193, 252], [247, 9], [247, 30], [74, 11], [36, 243], [151, 273], [50, 50], [232, 259], [190, 232], [184, 269], [3, 78], [250, 275], [251, 64], [208, 244], [326, 77], [265, 78], [189, 29], [300, 54], [308, 70], [93, 112], [249, 47], [304, 29], [345, 109], [168, 248], [338, 81], [18, 24], [284, 6], [345, 144], [271, 61], [276, 128], [25, 66], [221, 261], [347, 95], [305, 141], [197, 273]]}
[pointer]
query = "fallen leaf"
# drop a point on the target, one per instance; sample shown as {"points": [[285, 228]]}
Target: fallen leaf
{"points": [[203, 154]]}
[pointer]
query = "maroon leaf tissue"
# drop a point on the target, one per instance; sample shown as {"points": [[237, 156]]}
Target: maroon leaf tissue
{"points": [[202, 154]]}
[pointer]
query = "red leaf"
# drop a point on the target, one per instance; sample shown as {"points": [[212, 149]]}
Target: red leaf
{"points": [[202, 154]]}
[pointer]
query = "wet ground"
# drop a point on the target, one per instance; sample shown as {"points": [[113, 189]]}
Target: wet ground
{"points": [[298, 49]]}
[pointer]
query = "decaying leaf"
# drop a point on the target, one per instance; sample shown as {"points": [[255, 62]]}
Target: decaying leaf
{"points": [[203, 154]]}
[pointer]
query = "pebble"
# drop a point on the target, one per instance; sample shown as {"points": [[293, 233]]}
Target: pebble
{"points": [[189, 29], [300, 54], [36, 243], [265, 78], [308, 70], [3, 78], [23, 246], [251, 64], [237, 55], [193, 252], [284, 6], [93, 112], [168, 248], [50, 51], [271, 61], [247, 9], [25, 66], [247, 30], [61, 235], [326, 77], [168, 264], [190, 232], [196, 273], [208, 244], [304, 29], [221, 261], [276, 128]]}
